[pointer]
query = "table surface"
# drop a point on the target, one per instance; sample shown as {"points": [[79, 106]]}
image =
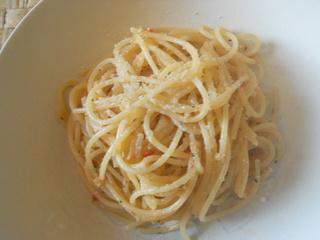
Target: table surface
{"points": [[11, 13]]}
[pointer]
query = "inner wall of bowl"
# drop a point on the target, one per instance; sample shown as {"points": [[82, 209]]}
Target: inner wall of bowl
{"points": [[44, 196]]}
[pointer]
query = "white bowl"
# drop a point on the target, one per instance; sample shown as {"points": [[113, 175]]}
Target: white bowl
{"points": [[42, 196]]}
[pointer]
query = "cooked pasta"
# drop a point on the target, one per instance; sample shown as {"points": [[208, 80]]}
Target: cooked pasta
{"points": [[173, 127]]}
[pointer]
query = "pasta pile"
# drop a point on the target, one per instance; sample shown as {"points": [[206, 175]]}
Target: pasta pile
{"points": [[173, 127]]}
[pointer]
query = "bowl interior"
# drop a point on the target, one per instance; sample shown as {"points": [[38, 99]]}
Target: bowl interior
{"points": [[43, 196]]}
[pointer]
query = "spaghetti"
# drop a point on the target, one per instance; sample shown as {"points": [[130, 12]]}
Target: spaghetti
{"points": [[173, 127]]}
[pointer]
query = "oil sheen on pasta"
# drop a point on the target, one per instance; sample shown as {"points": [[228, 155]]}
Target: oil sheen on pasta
{"points": [[173, 127]]}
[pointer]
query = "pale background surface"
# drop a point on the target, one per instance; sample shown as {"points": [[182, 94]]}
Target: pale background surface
{"points": [[42, 196], [11, 13]]}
